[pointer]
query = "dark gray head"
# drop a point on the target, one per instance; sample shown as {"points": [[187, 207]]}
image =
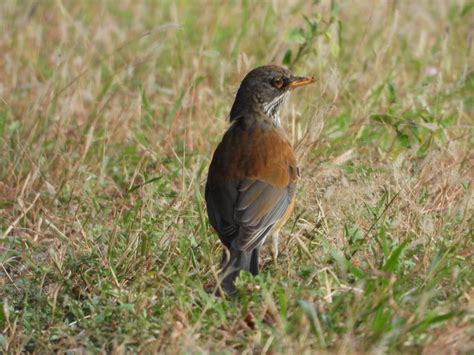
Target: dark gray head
{"points": [[265, 89]]}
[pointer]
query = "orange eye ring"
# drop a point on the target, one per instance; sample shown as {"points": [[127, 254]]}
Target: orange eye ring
{"points": [[278, 83]]}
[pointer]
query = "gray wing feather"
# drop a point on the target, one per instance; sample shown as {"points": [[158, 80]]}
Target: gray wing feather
{"points": [[259, 207], [243, 214]]}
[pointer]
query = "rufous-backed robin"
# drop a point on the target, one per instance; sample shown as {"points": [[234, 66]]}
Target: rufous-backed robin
{"points": [[250, 190]]}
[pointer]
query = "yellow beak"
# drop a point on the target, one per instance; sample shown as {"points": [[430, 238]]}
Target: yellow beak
{"points": [[300, 81]]}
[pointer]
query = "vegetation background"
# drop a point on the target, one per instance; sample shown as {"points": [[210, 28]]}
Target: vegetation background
{"points": [[109, 113]]}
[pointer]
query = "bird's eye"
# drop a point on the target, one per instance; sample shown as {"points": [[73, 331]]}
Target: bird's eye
{"points": [[278, 83]]}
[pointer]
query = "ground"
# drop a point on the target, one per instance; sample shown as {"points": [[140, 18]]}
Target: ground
{"points": [[109, 114]]}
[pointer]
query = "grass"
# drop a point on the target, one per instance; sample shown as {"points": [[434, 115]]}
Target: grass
{"points": [[109, 114]]}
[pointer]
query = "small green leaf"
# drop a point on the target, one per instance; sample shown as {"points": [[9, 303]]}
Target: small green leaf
{"points": [[433, 319], [308, 309], [381, 320], [334, 8], [127, 306], [3, 121], [295, 35], [347, 265], [403, 140], [312, 26], [287, 57], [392, 262], [392, 95], [467, 8], [335, 49], [310, 312], [13, 126], [3, 315], [147, 114], [353, 234], [282, 302]]}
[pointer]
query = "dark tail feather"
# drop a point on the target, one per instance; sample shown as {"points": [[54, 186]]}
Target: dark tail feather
{"points": [[254, 261], [239, 260]]}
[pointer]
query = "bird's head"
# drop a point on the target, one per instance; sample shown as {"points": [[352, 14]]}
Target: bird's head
{"points": [[265, 89]]}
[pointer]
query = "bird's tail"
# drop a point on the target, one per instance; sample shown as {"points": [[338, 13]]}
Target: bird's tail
{"points": [[234, 261]]}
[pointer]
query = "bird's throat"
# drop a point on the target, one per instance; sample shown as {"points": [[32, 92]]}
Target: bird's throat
{"points": [[272, 108]]}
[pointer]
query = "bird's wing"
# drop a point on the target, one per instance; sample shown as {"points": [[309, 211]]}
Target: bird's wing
{"points": [[220, 201], [260, 206]]}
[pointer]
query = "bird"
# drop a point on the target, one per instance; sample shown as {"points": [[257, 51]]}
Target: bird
{"points": [[251, 183]]}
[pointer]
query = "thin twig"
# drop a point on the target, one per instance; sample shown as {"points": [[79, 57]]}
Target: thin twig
{"points": [[20, 217]]}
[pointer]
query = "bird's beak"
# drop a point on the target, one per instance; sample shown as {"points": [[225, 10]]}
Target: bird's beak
{"points": [[298, 81]]}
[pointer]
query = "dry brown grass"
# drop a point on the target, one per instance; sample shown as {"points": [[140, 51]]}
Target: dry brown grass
{"points": [[109, 112]]}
